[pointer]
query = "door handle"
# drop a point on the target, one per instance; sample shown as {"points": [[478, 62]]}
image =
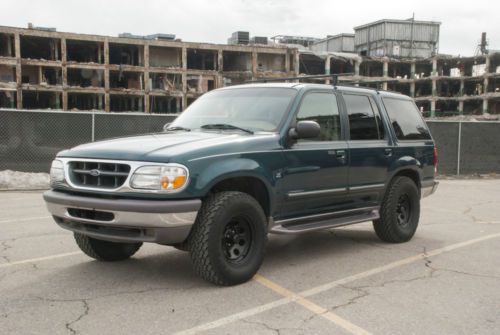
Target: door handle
{"points": [[388, 151], [340, 153]]}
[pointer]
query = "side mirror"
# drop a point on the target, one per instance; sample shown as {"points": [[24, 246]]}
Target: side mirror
{"points": [[166, 125], [305, 129]]}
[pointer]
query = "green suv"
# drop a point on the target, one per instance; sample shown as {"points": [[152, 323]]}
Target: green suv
{"points": [[245, 161]]}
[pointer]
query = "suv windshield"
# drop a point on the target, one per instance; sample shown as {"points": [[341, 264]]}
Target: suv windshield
{"points": [[257, 109]]}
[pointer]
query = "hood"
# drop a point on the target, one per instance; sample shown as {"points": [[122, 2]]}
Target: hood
{"points": [[164, 147]]}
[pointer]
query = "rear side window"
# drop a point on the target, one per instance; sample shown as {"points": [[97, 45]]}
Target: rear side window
{"points": [[322, 108], [364, 119], [406, 120]]}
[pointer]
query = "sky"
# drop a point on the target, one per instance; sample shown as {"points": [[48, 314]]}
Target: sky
{"points": [[213, 21]]}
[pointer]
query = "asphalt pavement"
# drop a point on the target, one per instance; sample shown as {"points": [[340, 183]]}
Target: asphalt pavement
{"points": [[446, 280]]}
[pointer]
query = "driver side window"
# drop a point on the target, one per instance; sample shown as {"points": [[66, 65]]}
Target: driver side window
{"points": [[323, 109]]}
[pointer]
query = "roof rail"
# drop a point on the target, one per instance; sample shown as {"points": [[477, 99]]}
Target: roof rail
{"points": [[335, 78]]}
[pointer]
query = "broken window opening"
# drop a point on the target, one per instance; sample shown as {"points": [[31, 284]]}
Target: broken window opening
{"points": [[271, 62], [447, 108], [292, 62], [165, 105], [200, 84], [84, 51], [340, 66], [473, 87], [494, 106], [423, 69], [165, 81], [473, 107], [86, 78], [403, 88], [85, 101], [423, 88], [236, 79], [8, 99], [448, 88], [126, 103], [447, 68], [41, 75], [41, 100], [126, 80], [236, 61], [199, 59], [43, 48], [311, 64], [399, 70], [7, 45], [371, 69], [126, 54], [495, 63], [7, 74], [493, 85], [425, 107], [190, 100], [165, 57]]}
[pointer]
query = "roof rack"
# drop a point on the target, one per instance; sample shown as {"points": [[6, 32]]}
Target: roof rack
{"points": [[334, 77]]}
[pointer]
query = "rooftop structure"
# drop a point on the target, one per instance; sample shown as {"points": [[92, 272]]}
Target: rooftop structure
{"points": [[397, 38]]}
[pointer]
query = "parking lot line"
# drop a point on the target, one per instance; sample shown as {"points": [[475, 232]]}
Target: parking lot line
{"points": [[322, 288], [311, 306], [40, 259], [26, 219]]}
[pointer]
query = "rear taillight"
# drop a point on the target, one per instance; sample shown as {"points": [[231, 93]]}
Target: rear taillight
{"points": [[435, 161]]}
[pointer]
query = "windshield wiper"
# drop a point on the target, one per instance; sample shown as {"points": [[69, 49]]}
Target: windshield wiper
{"points": [[177, 128], [224, 126]]}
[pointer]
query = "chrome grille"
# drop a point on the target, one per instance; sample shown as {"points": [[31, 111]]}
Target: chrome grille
{"points": [[98, 174]]}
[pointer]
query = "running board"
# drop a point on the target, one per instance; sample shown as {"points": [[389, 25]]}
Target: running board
{"points": [[297, 228]]}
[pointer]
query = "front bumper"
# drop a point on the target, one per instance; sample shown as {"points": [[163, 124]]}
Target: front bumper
{"points": [[124, 220], [429, 188]]}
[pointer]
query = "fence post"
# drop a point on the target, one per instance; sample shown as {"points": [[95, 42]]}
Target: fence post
{"points": [[459, 146], [93, 126]]}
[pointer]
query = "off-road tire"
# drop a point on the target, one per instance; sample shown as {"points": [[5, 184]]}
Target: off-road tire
{"points": [[105, 250], [207, 247], [387, 227]]}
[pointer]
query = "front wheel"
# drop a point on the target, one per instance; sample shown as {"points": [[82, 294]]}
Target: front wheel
{"points": [[105, 250], [228, 238], [400, 211]]}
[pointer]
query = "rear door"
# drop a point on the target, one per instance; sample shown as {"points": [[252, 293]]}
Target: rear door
{"points": [[369, 150], [315, 178]]}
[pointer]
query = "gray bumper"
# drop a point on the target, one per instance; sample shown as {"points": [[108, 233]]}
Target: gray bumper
{"points": [[429, 188], [124, 220]]}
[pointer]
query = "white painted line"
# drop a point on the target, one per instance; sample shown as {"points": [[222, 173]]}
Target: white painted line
{"points": [[322, 288], [40, 259], [311, 306], [26, 219]]}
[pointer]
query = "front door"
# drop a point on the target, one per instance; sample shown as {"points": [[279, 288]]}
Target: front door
{"points": [[315, 177]]}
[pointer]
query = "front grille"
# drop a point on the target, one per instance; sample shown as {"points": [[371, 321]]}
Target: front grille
{"points": [[98, 174]]}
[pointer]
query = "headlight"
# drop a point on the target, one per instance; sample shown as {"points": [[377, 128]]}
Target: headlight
{"points": [[56, 172], [167, 178]]}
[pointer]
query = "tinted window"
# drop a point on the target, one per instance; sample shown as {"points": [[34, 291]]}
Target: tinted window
{"points": [[406, 120], [363, 124], [322, 108]]}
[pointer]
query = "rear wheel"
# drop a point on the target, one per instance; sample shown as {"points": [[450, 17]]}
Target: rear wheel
{"points": [[228, 238], [400, 211], [105, 250]]}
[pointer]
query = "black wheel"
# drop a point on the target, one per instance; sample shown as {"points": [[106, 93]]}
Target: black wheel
{"points": [[400, 211], [105, 250], [228, 238]]}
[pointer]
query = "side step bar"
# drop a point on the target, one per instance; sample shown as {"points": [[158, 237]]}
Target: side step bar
{"points": [[280, 227]]}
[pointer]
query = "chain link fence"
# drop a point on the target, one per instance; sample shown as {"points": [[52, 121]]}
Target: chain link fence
{"points": [[29, 140]]}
